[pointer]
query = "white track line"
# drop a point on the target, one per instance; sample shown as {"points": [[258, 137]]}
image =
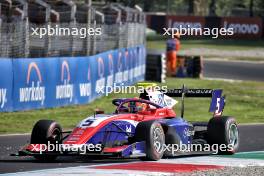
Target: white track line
{"points": [[219, 161], [15, 134], [231, 60], [224, 79], [258, 151], [89, 170]]}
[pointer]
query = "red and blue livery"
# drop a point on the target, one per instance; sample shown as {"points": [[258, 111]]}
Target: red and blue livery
{"points": [[141, 127]]}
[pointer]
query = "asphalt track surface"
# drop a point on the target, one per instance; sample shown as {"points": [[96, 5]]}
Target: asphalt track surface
{"points": [[236, 70], [229, 69], [251, 136], [251, 139]]}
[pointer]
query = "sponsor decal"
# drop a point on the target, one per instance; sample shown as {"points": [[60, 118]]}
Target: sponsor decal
{"points": [[3, 99], [181, 24], [243, 27], [100, 83], [131, 70], [93, 121], [137, 69], [160, 98], [85, 88], [38, 86], [126, 73], [187, 132], [142, 55], [119, 74], [128, 129], [185, 22], [110, 77], [34, 92], [65, 90]]}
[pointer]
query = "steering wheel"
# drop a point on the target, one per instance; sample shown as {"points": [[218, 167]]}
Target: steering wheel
{"points": [[117, 103]]}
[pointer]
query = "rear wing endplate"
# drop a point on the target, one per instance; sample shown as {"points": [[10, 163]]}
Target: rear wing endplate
{"points": [[217, 100]]}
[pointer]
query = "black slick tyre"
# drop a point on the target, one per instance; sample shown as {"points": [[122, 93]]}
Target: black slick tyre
{"points": [[152, 133], [223, 130], [45, 131]]}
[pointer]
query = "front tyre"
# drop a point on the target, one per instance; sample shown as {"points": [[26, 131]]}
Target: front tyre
{"points": [[152, 133], [45, 131], [223, 130]]}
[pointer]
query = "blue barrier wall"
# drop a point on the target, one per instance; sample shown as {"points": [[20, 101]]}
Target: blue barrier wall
{"points": [[6, 85], [50, 82]]}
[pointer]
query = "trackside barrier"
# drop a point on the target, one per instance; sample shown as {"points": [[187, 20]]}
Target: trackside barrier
{"points": [[59, 81], [156, 66], [187, 66], [244, 27]]}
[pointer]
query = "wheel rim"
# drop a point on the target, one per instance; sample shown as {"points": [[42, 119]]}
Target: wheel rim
{"points": [[158, 140], [233, 135]]}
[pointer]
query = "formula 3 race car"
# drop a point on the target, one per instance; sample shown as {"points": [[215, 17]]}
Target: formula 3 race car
{"points": [[146, 127]]}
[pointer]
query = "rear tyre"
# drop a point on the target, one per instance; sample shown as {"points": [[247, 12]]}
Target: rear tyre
{"points": [[223, 130], [45, 131], [171, 138], [152, 133]]}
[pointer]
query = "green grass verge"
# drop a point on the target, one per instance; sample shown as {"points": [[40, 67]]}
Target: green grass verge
{"points": [[245, 101], [210, 44], [159, 42], [254, 59]]}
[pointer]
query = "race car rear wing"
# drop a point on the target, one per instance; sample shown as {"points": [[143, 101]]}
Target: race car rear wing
{"points": [[189, 92], [164, 98], [217, 100]]}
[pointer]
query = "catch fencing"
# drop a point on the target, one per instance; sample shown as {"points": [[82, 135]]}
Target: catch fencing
{"points": [[121, 27], [60, 70]]}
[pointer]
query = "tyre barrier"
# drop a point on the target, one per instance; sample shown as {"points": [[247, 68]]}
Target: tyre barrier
{"points": [[155, 66], [187, 66]]}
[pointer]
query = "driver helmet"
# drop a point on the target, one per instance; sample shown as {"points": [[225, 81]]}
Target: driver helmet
{"points": [[135, 107]]}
